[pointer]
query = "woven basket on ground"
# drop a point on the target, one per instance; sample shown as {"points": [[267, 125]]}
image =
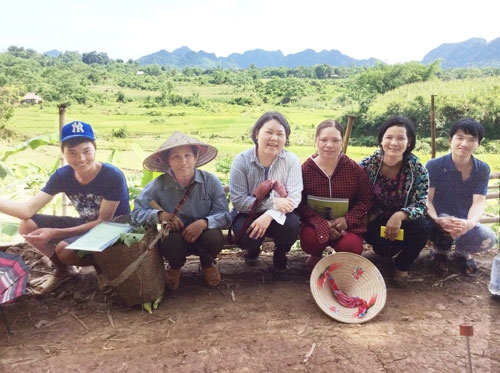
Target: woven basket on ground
{"points": [[136, 272]]}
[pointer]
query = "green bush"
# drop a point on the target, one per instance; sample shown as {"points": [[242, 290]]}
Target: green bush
{"points": [[120, 133]]}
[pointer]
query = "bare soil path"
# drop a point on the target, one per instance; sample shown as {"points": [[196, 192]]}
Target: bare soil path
{"points": [[251, 324]]}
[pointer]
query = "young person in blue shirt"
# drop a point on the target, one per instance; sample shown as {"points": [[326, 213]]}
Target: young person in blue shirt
{"points": [[191, 201], [457, 199], [98, 191]]}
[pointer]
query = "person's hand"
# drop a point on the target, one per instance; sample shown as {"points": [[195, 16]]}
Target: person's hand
{"points": [[393, 225], [263, 189], [456, 227], [174, 223], [194, 230], [340, 225], [284, 205], [40, 237], [445, 224], [259, 226], [336, 229]]}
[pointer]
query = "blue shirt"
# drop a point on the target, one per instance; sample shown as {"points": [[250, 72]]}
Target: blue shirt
{"points": [[206, 201], [452, 195], [109, 184]]}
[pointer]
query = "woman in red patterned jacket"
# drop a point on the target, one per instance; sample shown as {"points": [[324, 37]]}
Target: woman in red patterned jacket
{"points": [[329, 173]]}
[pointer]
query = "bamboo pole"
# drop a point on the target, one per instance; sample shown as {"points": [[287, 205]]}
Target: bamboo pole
{"points": [[433, 128], [62, 120], [347, 133]]}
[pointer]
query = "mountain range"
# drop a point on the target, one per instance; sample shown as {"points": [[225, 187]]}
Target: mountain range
{"points": [[475, 52]]}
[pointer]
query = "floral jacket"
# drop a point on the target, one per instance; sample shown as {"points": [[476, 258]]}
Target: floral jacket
{"points": [[416, 186]]}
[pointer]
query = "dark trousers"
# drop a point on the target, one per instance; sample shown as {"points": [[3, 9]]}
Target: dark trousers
{"points": [[441, 240], [175, 249], [415, 238], [284, 236]]}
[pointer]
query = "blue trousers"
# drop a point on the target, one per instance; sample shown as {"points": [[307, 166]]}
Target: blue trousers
{"points": [[478, 239]]}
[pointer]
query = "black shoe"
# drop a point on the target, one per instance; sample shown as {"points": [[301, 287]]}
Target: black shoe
{"points": [[281, 274], [251, 257], [251, 262]]}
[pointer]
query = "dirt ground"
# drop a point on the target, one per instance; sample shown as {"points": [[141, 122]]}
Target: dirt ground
{"points": [[252, 324]]}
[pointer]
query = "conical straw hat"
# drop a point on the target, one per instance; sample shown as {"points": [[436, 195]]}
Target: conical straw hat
{"points": [[157, 161], [354, 276]]}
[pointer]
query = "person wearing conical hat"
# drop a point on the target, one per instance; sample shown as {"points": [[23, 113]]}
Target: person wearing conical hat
{"points": [[98, 191], [190, 201]]}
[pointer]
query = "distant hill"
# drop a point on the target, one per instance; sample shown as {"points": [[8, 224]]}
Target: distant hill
{"points": [[53, 53], [185, 57], [475, 52]]}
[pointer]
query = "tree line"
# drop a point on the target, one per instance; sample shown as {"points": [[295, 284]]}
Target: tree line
{"points": [[370, 93]]}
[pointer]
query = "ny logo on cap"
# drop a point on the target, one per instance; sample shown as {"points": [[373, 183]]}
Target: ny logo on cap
{"points": [[77, 127]]}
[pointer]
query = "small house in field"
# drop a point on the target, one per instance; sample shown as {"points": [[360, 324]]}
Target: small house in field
{"points": [[31, 98]]}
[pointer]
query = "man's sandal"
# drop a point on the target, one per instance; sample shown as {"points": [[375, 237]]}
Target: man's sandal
{"points": [[469, 267], [103, 284], [441, 263], [400, 278], [49, 284]]}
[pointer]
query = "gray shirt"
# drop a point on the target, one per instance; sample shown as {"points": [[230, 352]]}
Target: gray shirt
{"points": [[247, 172]]}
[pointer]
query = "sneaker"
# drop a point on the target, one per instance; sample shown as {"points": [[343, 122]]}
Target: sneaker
{"points": [[212, 276], [172, 278], [311, 262]]}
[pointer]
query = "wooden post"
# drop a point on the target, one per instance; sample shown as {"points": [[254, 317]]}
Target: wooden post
{"points": [[433, 129], [62, 120], [347, 133]]}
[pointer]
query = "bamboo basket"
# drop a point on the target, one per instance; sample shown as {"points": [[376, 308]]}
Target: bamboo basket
{"points": [[136, 272]]}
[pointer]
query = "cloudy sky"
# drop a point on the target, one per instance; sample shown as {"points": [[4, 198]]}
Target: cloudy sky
{"points": [[390, 30]]}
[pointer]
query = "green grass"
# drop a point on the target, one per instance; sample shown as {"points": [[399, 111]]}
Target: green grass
{"points": [[226, 127]]}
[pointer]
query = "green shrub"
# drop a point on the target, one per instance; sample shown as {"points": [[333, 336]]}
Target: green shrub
{"points": [[120, 133]]}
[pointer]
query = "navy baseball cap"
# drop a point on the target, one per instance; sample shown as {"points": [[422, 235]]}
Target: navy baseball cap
{"points": [[77, 129]]}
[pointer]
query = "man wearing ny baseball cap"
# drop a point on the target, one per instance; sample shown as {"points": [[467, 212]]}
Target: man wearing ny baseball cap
{"points": [[98, 191], [77, 129]]}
